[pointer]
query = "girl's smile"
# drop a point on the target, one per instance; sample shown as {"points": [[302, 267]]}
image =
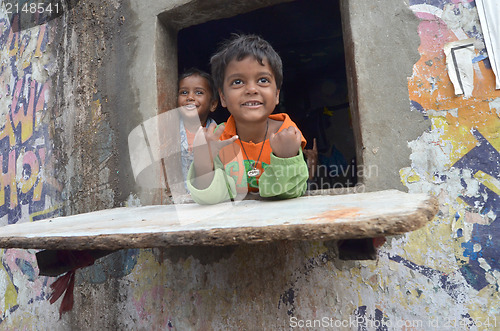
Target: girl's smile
{"points": [[195, 99]]}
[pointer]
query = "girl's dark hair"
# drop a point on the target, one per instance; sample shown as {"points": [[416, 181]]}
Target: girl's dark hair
{"points": [[239, 47], [197, 72]]}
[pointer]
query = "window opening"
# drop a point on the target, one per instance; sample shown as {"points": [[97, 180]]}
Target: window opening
{"points": [[308, 38]]}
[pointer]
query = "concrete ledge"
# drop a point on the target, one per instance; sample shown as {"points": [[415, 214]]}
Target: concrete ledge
{"points": [[363, 215]]}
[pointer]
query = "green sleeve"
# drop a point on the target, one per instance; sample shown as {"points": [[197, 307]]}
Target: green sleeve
{"points": [[221, 189], [284, 178]]}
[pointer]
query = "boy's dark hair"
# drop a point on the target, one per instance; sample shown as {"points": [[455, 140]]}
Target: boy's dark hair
{"points": [[239, 47], [197, 72]]}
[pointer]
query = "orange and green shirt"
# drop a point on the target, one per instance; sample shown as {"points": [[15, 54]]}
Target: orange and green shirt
{"points": [[279, 177]]}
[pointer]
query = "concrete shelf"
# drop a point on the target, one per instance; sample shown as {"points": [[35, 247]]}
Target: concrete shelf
{"points": [[362, 215]]}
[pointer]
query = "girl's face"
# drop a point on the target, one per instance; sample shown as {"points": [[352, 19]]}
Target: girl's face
{"points": [[195, 99]]}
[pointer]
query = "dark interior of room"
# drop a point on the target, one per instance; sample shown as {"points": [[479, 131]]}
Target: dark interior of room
{"points": [[308, 37]]}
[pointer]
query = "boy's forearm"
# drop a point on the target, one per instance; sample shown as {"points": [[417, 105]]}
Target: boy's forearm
{"points": [[203, 176], [203, 168], [285, 178], [220, 188]]}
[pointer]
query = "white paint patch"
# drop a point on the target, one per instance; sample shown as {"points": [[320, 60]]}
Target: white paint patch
{"points": [[20, 176], [496, 273], [133, 201], [40, 141], [454, 112], [428, 161], [24, 291], [490, 278], [4, 220], [491, 215], [477, 71], [25, 214], [428, 9], [495, 106], [442, 113], [467, 231], [433, 82], [483, 264], [472, 184], [396, 247], [4, 277], [48, 201], [460, 18]]}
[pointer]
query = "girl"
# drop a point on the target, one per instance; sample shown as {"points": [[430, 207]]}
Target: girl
{"points": [[196, 99]]}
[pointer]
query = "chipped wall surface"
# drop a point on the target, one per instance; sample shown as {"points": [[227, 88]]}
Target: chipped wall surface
{"points": [[458, 161], [72, 88], [29, 188]]}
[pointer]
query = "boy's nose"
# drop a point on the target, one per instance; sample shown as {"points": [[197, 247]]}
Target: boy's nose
{"points": [[251, 89], [190, 97]]}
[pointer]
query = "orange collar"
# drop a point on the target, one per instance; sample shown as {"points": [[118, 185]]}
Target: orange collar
{"points": [[230, 127]]}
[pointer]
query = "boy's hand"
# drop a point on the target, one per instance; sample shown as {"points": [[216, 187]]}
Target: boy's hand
{"points": [[206, 147], [286, 143]]}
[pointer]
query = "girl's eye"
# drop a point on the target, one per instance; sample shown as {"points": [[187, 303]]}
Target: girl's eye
{"points": [[237, 82], [183, 93], [263, 80], [199, 93]]}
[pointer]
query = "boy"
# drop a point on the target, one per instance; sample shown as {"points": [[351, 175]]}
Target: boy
{"points": [[248, 75]]}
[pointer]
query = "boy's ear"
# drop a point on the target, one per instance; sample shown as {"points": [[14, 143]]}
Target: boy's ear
{"points": [[222, 99], [277, 96], [213, 105]]}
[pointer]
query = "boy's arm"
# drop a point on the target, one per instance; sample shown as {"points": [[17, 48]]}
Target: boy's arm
{"points": [[284, 178], [206, 147], [221, 188], [287, 175]]}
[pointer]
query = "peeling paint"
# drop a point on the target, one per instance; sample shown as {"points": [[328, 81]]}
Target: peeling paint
{"points": [[461, 150]]}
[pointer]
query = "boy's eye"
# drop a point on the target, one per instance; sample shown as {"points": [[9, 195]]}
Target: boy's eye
{"points": [[199, 92], [264, 80], [237, 82], [183, 92]]}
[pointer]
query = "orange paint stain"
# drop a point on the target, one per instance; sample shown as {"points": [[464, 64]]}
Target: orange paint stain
{"points": [[332, 215]]}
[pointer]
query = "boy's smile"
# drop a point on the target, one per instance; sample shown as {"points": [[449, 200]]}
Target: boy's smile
{"points": [[249, 90]]}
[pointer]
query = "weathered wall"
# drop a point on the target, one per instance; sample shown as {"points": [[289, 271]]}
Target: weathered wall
{"points": [[381, 47], [29, 189], [60, 145], [72, 89]]}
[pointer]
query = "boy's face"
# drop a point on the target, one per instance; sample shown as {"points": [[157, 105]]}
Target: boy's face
{"points": [[195, 98], [249, 90]]}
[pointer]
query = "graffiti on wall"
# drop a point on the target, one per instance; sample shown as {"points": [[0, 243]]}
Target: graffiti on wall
{"points": [[24, 141], [457, 160], [27, 189]]}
